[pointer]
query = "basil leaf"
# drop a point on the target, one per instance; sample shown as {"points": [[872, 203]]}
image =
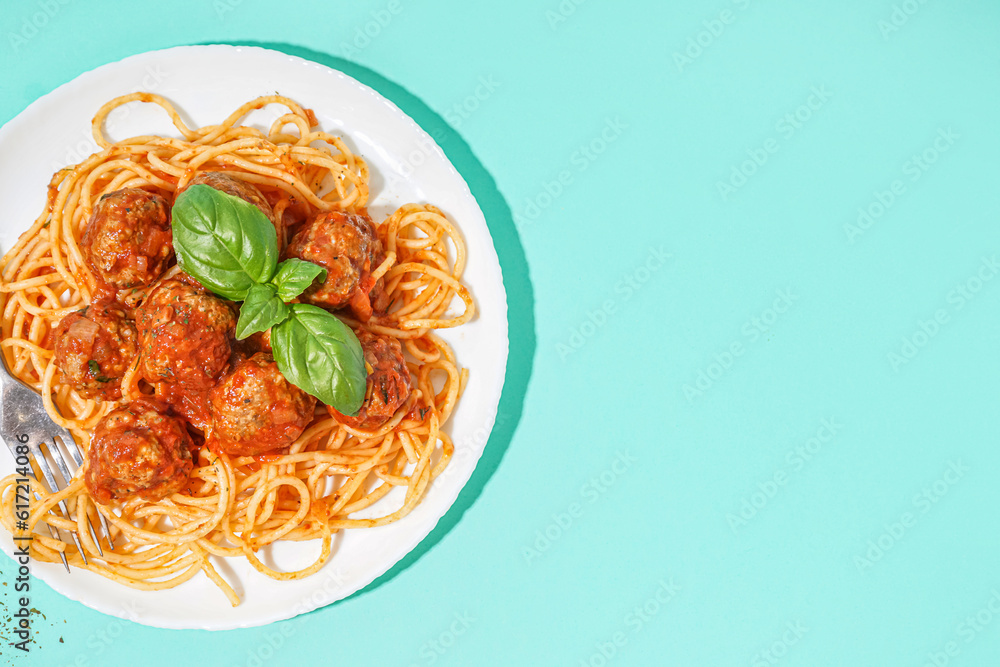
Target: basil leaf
{"points": [[294, 276], [261, 310], [227, 244], [318, 353]]}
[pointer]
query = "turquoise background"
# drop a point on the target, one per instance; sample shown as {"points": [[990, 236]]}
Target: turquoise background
{"points": [[775, 446]]}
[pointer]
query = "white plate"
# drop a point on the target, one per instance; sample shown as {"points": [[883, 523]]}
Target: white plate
{"points": [[207, 83]]}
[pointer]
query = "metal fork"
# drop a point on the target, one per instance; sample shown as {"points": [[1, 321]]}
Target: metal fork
{"points": [[23, 420]]}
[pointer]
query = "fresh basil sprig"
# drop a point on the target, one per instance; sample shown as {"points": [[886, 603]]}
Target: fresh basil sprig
{"points": [[231, 248]]}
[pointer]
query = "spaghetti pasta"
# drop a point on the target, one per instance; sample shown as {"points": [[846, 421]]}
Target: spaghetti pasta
{"points": [[233, 506]]}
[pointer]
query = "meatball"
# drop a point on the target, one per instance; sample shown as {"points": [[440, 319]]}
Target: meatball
{"points": [[185, 334], [93, 349], [128, 241], [236, 187], [388, 384], [138, 450], [255, 409], [345, 245]]}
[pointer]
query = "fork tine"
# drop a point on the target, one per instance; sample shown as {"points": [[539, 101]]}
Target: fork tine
{"points": [[76, 538], [107, 530], [57, 456], [93, 536], [62, 556], [54, 532], [74, 451], [43, 465]]}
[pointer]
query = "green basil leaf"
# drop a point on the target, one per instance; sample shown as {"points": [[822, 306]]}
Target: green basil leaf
{"points": [[294, 276], [261, 310], [319, 354], [227, 244]]}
